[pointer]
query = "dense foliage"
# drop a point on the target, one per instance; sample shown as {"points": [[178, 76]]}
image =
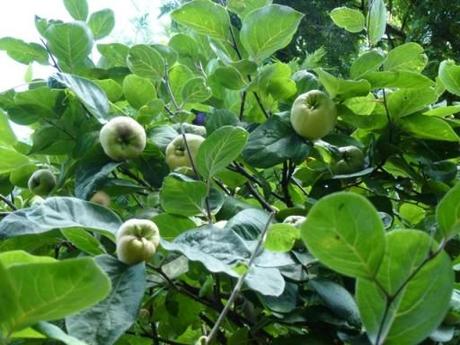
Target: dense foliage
{"points": [[204, 191]]}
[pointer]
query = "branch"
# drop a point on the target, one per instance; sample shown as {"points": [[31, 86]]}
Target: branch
{"points": [[8, 202], [239, 283]]}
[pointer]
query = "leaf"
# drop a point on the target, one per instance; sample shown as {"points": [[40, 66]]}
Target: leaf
{"points": [[114, 53], [219, 149], [183, 198], [145, 61], [219, 118], [409, 56], [196, 16], [367, 62], [59, 213], [11, 159], [427, 292], [449, 73], [347, 18], [89, 93], [8, 137], [343, 88], [408, 101], [196, 91], [344, 231], [448, 213], [429, 127], [111, 88], [443, 111], [54, 332], [172, 226], [23, 52], [244, 7], [229, 77], [50, 291], [376, 21], [397, 79], [90, 176], [138, 91], [78, 9], [105, 322], [268, 29], [179, 75], [83, 240], [71, 43], [337, 299], [281, 237], [101, 23], [248, 223], [220, 251], [274, 142]]}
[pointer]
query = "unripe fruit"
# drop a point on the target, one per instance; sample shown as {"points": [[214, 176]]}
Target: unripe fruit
{"points": [[101, 198], [313, 115], [176, 151], [352, 160], [123, 138], [137, 240], [42, 182]]}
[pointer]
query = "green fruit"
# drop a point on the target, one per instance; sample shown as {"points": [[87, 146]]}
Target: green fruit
{"points": [[101, 198], [176, 152], [42, 182], [122, 138], [137, 241], [313, 115], [352, 160]]}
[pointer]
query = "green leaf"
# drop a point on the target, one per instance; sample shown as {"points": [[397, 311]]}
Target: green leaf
{"points": [[268, 29], [83, 240], [20, 257], [219, 149], [23, 52], [196, 91], [78, 9], [89, 93], [183, 198], [347, 18], [427, 291], [248, 223], [106, 321], [171, 225], [179, 75], [112, 89], [428, 127], [196, 16], [11, 159], [220, 250], [229, 77], [344, 231], [8, 137], [376, 21], [114, 53], [367, 62], [71, 43], [60, 213], [409, 56], [145, 61], [244, 7], [408, 101], [138, 91], [343, 88], [281, 237], [443, 111], [101, 23], [58, 289], [219, 118], [448, 213], [449, 73], [54, 332], [275, 142], [397, 79]]}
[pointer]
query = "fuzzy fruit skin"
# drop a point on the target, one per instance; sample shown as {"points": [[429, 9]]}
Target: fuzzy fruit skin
{"points": [[101, 198], [176, 152], [123, 138], [137, 241], [313, 115], [352, 160], [42, 182]]}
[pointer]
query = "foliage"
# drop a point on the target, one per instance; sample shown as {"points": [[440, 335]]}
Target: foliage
{"points": [[374, 261]]}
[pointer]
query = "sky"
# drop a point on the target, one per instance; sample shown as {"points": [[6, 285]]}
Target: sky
{"points": [[17, 20]]}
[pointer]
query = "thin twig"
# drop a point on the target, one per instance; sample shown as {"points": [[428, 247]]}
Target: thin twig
{"points": [[239, 283]]}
